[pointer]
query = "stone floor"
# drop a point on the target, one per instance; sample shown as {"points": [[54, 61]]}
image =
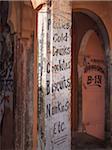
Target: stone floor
{"points": [[83, 141]]}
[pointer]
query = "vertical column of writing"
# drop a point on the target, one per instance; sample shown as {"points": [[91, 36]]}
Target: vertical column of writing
{"points": [[58, 130]]}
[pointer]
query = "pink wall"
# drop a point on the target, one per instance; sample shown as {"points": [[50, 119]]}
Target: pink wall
{"points": [[93, 86]]}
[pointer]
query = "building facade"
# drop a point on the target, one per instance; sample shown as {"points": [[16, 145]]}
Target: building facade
{"points": [[62, 82], [76, 80]]}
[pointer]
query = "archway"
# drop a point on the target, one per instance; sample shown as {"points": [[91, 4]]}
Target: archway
{"points": [[91, 79], [86, 21]]}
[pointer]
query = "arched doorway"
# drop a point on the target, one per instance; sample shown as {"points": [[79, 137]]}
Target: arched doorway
{"points": [[90, 42], [91, 79]]}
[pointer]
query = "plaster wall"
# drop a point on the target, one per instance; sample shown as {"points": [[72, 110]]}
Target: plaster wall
{"points": [[103, 10], [54, 39], [21, 18]]}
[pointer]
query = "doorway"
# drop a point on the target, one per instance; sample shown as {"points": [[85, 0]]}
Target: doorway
{"points": [[89, 79], [91, 85]]}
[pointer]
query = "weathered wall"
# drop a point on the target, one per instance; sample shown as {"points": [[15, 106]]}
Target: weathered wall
{"points": [[93, 85], [102, 10], [24, 95], [6, 79], [24, 61], [55, 84], [54, 37], [21, 19]]}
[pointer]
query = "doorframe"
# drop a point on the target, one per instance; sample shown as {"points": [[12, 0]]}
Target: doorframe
{"points": [[105, 37]]}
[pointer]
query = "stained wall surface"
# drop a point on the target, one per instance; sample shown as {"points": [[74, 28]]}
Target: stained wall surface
{"points": [[103, 11], [49, 47], [56, 82], [54, 37], [93, 87], [18, 123]]}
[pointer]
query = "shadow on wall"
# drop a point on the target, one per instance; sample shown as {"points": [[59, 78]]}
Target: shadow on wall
{"points": [[6, 78]]}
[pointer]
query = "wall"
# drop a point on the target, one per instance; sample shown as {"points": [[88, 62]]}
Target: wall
{"points": [[6, 79], [59, 32], [103, 10], [93, 85], [48, 78], [24, 75], [100, 9], [54, 38], [21, 19]]}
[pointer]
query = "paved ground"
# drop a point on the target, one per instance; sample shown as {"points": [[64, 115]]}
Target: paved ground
{"points": [[83, 141]]}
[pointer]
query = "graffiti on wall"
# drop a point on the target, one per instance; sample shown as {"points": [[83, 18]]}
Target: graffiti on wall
{"points": [[92, 64], [6, 64]]}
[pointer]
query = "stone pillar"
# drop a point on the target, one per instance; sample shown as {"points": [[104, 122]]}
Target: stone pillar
{"points": [[54, 76]]}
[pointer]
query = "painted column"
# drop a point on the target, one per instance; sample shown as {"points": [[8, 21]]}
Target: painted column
{"points": [[54, 62]]}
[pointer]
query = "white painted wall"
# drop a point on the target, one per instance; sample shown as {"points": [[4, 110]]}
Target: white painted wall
{"points": [[54, 37]]}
